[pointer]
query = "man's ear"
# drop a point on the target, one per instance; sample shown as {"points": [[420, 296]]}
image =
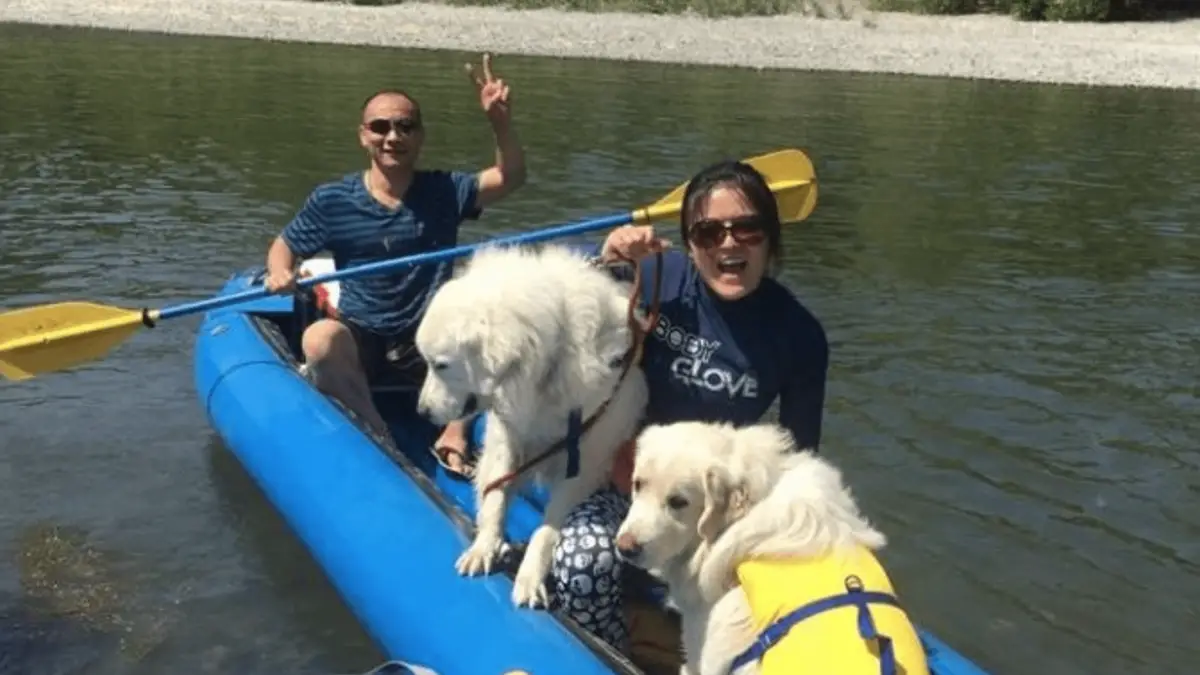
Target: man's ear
{"points": [[724, 502]]}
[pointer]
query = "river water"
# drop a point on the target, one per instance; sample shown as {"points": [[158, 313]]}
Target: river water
{"points": [[1009, 274]]}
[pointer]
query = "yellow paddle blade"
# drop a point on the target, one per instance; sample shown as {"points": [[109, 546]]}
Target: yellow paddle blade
{"points": [[42, 339], [789, 174]]}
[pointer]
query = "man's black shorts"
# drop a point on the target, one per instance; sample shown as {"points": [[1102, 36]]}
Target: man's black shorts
{"points": [[391, 357]]}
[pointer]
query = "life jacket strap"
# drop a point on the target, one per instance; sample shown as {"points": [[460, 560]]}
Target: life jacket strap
{"points": [[854, 596]]}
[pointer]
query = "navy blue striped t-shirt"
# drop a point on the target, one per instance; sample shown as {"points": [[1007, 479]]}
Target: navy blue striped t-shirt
{"points": [[343, 218]]}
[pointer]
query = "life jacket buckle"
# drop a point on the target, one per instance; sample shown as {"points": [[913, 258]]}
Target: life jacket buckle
{"points": [[765, 641]]}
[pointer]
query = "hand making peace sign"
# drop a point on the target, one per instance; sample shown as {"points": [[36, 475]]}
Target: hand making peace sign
{"points": [[493, 92]]}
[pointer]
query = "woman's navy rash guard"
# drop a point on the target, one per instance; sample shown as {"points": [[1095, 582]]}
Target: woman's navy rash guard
{"points": [[726, 361]]}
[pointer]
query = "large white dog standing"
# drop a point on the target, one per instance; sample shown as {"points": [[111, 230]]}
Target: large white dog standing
{"points": [[529, 335]]}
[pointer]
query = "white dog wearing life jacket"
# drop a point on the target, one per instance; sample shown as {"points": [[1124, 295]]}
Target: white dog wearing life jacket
{"points": [[744, 528], [531, 336]]}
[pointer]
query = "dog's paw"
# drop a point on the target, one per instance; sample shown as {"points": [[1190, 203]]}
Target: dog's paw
{"points": [[481, 556], [529, 590]]}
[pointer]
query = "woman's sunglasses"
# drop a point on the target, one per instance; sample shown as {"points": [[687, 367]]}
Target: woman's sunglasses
{"points": [[402, 125], [708, 233]]}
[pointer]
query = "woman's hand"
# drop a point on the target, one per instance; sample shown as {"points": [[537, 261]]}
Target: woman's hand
{"points": [[632, 242]]}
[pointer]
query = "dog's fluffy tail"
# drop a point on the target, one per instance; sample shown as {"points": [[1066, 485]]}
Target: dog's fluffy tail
{"points": [[809, 512]]}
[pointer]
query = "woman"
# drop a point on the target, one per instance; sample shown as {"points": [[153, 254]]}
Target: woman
{"points": [[729, 341]]}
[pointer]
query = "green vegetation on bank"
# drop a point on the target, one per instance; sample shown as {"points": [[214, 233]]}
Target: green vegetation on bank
{"points": [[834, 9], [1037, 10], [839, 9]]}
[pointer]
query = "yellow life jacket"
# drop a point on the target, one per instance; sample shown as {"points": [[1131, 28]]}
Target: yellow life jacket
{"points": [[837, 614]]}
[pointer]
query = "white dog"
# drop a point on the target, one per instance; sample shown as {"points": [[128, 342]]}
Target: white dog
{"points": [[529, 336], [707, 499]]}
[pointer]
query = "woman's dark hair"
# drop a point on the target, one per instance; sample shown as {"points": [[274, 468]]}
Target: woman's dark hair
{"points": [[749, 182]]}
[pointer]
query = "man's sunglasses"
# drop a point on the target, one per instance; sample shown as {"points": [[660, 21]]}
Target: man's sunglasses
{"points": [[402, 125], [708, 233]]}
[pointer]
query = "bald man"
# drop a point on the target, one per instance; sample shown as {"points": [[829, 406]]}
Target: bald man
{"points": [[390, 210]]}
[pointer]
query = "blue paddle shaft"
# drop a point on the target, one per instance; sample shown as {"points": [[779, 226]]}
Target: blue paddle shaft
{"points": [[442, 255]]}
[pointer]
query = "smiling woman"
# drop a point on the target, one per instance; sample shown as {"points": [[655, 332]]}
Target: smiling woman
{"points": [[729, 342], [728, 215]]}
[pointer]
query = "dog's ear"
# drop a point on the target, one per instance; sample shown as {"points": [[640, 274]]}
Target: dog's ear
{"points": [[487, 368], [724, 502], [501, 356]]}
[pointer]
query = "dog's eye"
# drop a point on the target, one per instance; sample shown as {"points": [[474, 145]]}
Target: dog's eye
{"points": [[677, 502], [637, 485], [440, 365]]}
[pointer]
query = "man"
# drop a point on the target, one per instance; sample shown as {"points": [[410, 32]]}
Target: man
{"points": [[391, 210]]}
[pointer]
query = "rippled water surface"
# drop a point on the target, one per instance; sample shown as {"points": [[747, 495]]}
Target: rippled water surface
{"points": [[1010, 276]]}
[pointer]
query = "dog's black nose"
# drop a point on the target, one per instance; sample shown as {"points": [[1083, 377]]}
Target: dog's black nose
{"points": [[628, 547], [470, 406]]}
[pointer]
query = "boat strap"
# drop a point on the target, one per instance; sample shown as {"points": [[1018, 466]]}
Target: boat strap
{"points": [[640, 329]]}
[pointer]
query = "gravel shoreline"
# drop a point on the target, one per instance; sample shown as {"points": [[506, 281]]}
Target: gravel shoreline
{"points": [[987, 47]]}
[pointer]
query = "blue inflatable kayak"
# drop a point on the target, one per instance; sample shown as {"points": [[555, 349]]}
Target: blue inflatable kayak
{"points": [[386, 523]]}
